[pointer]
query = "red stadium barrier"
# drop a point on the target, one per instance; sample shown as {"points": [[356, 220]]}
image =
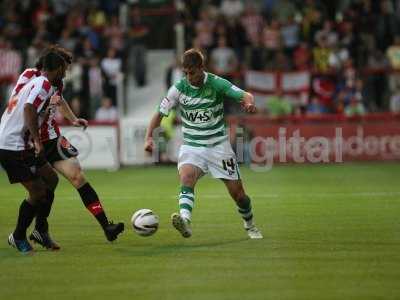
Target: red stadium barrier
{"points": [[325, 138]]}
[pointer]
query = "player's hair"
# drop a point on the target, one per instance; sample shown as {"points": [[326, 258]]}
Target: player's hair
{"points": [[64, 53], [192, 58], [52, 61]]}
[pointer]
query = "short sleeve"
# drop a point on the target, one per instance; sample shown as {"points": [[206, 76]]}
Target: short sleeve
{"points": [[230, 90], [38, 94], [169, 101]]}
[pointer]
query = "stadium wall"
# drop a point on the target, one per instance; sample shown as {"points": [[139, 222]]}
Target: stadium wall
{"points": [[318, 139], [322, 139]]}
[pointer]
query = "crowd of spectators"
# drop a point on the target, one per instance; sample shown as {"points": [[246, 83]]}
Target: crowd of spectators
{"points": [[350, 47], [104, 46]]}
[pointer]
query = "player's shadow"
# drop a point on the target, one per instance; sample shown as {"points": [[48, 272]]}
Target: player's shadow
{"points": [[181, 247]]}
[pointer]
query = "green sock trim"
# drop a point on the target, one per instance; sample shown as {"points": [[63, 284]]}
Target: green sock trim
{"points": [[185, 206], [187, 189]]}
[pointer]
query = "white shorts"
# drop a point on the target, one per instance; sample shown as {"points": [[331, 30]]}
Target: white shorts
{"points": [[219, 160]]}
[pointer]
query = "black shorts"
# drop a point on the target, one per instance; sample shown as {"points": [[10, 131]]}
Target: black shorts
{"points": [[21, 166], [59, 149]]}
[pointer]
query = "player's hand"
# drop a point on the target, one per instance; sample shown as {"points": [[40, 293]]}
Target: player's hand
{"points": [[149, 145], [38, 147], [55, 100], [249, 107], [80, 123]]}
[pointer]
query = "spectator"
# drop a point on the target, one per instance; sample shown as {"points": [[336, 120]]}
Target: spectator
{"points": [[271, 39], [11, 64], [315, 108], [321, 55], [137, 33], [350, 99], [204, 29], [252, 22], [278, 105], [111, 66], [327, 33], [395, 102], [284, 10], [115, 33], [107, 112], [355, 108], [76, 106], [290, 35], [95, 85], [231, 9], [302, 57], [256, 56], [376, 80], [386, 26], [393, 54], [223, 60]]}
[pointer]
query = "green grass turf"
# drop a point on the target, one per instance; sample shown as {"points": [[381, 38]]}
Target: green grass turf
{"points": [[331, 232]]}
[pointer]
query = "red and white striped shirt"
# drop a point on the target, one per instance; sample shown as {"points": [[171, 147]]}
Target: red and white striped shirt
{"points": [[14, 135], [49, 129]]}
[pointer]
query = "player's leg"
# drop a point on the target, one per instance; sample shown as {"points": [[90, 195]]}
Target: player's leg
{"points": [[21, 167], [27, 211], [41, 232], [222, 164], [188, 176], [72, 171], [243, 202]]}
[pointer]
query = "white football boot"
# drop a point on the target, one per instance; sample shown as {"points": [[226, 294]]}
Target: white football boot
{"points": [[253, 232], [182, 225]]}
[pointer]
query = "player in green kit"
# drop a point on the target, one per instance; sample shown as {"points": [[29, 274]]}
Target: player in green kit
{"points": [[206, 148]]}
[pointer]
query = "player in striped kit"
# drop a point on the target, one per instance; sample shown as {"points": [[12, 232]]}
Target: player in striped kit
{"points": [[21, 151], [200, 96], [62, 157]]}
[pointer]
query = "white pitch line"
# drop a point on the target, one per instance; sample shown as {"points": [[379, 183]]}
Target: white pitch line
{"points": [[266, 196]]}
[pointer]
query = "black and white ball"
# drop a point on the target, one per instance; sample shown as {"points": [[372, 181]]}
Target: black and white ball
{"points": [[145, 222]]}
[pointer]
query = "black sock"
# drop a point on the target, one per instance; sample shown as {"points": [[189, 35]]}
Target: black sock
{"points": [[91, 201], [43, 212], [244, 208], [26, 214]]}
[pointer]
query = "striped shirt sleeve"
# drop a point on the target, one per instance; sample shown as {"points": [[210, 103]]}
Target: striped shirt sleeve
{"points": [[38, 94], [169, 101]]}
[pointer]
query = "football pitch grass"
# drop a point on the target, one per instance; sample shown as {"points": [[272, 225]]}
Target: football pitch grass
{"points": [[330, 232]]}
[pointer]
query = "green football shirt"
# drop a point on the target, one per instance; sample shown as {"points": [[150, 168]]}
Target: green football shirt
{"points": [[202, 109]]}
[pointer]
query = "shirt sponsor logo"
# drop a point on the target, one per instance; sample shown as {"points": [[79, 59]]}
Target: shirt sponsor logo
{"points": [[199, 116]]}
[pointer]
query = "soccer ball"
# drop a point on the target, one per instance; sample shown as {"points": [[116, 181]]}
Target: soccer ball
{"points": [[145, 222]]}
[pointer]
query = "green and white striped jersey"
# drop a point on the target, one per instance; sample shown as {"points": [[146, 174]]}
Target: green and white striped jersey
{"points": [[202, 109]]}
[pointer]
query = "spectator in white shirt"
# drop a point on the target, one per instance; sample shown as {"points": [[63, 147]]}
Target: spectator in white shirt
{"points": [[111, 66], [223, 59], [232, 9], [106, 112]]}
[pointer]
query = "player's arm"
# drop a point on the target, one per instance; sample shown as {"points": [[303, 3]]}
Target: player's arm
{"points": [[67, 113], [154, 123], [231, 91], [247, 103], [31, 122], [164, 109]]}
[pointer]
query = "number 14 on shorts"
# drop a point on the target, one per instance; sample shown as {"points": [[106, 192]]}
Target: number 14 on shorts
{"points": [[229, 165]]}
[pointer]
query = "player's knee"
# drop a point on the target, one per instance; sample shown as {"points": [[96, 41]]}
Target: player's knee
{"points": [[188, 179], [38, 192], [78, 179]]}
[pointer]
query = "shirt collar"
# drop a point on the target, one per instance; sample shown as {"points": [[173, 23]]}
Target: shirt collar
{"points": [[204, 81]]}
